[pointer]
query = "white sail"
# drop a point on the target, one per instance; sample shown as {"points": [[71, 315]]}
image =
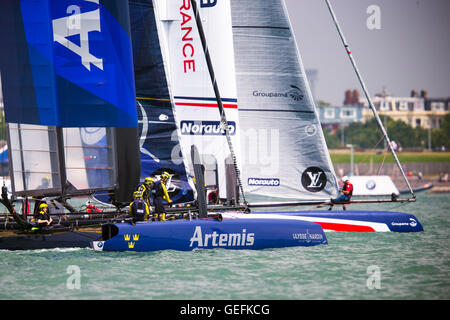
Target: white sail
{"points": [[194, 102], [33, 157], [284, 153]]}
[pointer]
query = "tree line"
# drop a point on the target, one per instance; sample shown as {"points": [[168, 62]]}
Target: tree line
{"points": [[367, 135]]}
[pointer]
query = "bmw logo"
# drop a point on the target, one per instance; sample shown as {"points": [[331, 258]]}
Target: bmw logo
{"points": [[371, 184]]}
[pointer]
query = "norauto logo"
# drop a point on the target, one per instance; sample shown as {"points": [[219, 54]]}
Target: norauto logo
{"points": [[206, 128], [295, 93], [274, 182]]}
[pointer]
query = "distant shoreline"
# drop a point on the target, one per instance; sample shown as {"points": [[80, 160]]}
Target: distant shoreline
{"points": [[379, 156]]}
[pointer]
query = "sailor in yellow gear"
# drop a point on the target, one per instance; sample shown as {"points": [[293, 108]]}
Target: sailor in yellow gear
{"points": [[43, 218], [145, 189], [139, 209], [159, 193]]}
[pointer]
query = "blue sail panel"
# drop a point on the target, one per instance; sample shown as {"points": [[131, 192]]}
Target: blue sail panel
{"points": [[69, 63], [159, 143], [160, 149]]}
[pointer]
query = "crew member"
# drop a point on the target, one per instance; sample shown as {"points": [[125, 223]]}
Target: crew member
{"points": [[43, 218], [139, 209], [347, 191], [145, 189], [213, 196], [91, 208], [159, 193]]}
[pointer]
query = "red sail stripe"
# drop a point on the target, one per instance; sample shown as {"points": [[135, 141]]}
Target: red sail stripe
{"points": [[208, 105]]}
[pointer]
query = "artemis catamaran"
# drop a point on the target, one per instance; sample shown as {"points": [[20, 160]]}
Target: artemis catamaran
{"points": [[221, 95], [272, 93], [70, 109]]}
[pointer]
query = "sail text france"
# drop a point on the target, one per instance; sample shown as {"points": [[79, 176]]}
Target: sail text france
{"points": [[187, 40]]}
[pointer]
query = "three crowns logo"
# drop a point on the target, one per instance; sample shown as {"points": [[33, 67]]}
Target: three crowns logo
{"points": [[127, 238]]}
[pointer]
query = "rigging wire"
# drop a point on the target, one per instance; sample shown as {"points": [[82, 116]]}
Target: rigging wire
{"points": [[369, 99], [382, 163], [371, 150], [223, 120], [5, 147]]}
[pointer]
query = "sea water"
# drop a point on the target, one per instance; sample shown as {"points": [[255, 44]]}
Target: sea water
{"points": [[352, 266]]}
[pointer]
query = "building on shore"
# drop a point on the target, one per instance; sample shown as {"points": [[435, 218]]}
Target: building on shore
{"points": [[415, 110], [335, 117]]}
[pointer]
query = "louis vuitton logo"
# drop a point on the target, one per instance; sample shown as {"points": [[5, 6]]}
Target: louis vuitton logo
{"points": [[314, 179]]}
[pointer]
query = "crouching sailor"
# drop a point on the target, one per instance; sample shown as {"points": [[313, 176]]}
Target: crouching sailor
{"points": [[145, 189], [159, 193], [91, 208], [347, 192], [138, 208], [43, 218]]}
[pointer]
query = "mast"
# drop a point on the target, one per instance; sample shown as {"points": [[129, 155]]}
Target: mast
{"points": [[223, 120], [366, 93]]}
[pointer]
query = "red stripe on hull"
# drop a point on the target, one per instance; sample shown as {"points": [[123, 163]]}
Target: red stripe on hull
{"points": [[344, 227]]}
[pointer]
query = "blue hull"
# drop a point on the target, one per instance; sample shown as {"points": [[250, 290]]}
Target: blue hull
{"points": [[355, 221], [197, 234]]}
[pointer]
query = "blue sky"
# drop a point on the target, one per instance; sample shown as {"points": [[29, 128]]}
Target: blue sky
{"points": [[411, 50]]}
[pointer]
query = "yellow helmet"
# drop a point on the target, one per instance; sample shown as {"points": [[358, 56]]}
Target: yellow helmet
{"points": [[137, 194], [165, 175], [43, 205], [148, 180]]}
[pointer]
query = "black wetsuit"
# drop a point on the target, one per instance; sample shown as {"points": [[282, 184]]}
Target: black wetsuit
{"points": [[139, 210], [159, 192], [43, 216]]}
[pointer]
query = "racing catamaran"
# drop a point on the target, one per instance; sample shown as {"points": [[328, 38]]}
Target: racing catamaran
{"points": [[198, 89], [272, 92], [70, 109]]}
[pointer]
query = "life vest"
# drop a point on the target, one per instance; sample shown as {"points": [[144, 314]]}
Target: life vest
{"points": [[144, 190], [91, 209], [348, 187], [43, 215], [138, 208]]}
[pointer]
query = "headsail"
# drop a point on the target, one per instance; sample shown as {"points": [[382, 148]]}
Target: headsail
{"points": [[196, 109], [67, 78], [158, 136], [284, 153]]}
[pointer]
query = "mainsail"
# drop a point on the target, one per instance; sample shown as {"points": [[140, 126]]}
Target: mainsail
{"points": [[190, 87], [69, 96], [284, 153]]}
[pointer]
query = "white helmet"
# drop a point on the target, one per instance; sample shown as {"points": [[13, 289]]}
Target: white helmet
{"points": [[344, 178]]}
